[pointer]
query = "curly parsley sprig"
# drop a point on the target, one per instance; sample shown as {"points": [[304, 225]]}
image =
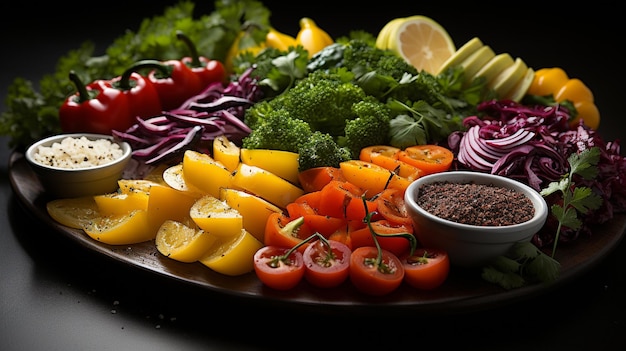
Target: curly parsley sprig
{"points": [[576, 199]]}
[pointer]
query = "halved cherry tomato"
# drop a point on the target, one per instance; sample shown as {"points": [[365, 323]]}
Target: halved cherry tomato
{"points": [[374, 276], [283, 231], [391, 206], [314, 179], [396, 244], [344, 200], [327, 264], [429, 158], [276, 270], [426, 269]]}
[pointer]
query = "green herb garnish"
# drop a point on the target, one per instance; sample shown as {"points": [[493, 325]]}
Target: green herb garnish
{"points": [[576, 199]]}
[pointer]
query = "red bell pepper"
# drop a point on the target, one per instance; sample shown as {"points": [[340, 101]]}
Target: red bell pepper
{"points": [[95, 108], [143, 97], [208, 71], [173, 80]]}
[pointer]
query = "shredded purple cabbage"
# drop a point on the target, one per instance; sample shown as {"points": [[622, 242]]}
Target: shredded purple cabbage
{"points": [[218, 110], [542, 158]]}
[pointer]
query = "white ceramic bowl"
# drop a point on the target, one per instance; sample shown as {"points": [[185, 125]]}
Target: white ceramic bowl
{"points": [[472, 245], [59, 182]]}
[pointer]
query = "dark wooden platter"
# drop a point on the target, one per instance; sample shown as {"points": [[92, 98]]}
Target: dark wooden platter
{"points": [[463, 291]]}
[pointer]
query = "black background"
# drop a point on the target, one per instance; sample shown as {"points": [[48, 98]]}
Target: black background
{"points": [[56, 296]]}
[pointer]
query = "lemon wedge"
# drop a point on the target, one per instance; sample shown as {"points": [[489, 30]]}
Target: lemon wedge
{"points": [[518, 92], [470, 47], [476, 61], [494, 67], [509, 78]]}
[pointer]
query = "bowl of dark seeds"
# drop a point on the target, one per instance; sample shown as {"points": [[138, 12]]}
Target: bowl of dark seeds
{"points": [[474, 216]]}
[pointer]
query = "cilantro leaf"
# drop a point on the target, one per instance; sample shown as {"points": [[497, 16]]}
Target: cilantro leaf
{"points": [[576, 199]]}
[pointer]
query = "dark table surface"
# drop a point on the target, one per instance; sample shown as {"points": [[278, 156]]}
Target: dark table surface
{"points": [[56, 295]]}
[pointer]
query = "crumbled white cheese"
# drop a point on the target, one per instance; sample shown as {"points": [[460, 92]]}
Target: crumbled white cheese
{"points": [[80, 152]]}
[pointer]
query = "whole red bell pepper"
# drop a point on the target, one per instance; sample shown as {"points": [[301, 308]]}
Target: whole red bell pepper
{"points": [[173, 80], [143, 97], [94, 108], [208, 71]]}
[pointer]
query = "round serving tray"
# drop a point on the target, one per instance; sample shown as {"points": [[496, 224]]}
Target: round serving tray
{"points": [[464, 290]]}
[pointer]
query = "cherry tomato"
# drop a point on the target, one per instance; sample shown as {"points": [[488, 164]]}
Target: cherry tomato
{"points": [[344, 200], [391, 206], [396, 244], [429, 158], [276, 270], [372, 276], [314, 179], [426, 269], [327, 264]]}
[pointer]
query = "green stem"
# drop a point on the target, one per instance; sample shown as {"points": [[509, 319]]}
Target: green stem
{"points": [[193, 52], [83, 94], [124, 82]]}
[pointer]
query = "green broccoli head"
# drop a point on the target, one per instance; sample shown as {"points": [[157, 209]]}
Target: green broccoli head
{"points": [[370, 127], [278, 131], [319, 150], [323, 99]]}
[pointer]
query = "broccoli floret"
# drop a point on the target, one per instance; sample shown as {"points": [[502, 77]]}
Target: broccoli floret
{"points": [[319, 150], [278, 131], [323, 99], [361, 55], [370, 127]]}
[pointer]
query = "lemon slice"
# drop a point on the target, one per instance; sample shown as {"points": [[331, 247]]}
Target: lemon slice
{"points": [[494, 67], [509, 78], [518, 92], [421, 42], [461, 54], [476, 61], [183, 243]]}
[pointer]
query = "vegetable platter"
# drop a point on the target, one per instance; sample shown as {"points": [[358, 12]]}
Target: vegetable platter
{"points": [[462, 291]]}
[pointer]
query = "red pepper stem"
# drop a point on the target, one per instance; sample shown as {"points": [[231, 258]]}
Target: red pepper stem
{"points": [[83, 94], [139, 65], [195, 58]]}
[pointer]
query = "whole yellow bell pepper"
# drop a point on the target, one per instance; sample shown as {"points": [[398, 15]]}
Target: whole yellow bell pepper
{"points": [[312, 37], [556, 83]]}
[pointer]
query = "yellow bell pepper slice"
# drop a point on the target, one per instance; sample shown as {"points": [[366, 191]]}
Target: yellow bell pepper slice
{"points": [[235, 256]]}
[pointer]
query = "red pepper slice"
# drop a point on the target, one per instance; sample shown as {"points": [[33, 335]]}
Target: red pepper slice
{"points": [[94, 108], [208, 71]]}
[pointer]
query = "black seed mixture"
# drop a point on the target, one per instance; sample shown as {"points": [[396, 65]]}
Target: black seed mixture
{"points": [[475, 204]]}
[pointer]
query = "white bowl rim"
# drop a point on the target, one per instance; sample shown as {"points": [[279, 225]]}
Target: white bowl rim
{"points": [[539, 203], [126, 148]]}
